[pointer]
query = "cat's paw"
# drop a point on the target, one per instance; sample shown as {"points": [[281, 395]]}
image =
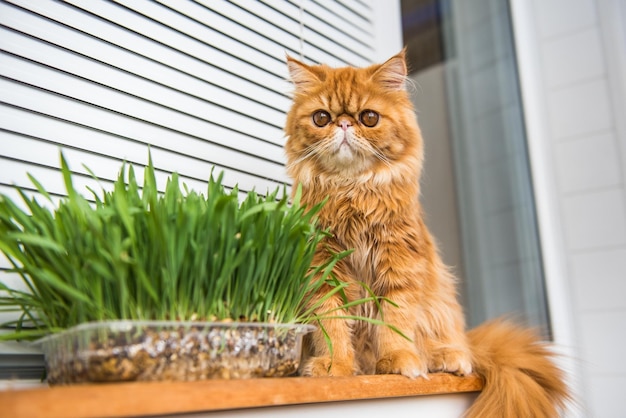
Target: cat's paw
{"points": [[323, 366], [404, 362], [454, 361]]}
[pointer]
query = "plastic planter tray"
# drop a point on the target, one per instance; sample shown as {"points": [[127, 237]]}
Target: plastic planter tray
{"points": [[118, 351]]}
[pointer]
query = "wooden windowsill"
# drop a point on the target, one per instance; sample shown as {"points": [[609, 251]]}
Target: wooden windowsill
{"points": [[161, 398]]}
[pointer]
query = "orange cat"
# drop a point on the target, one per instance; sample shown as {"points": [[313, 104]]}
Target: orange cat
{"points": [[353, 137]]}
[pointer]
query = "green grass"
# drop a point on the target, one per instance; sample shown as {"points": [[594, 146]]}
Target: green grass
{"points": [[135, 253]]}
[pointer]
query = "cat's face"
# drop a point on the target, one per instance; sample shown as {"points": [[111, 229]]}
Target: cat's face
{"points": [[350, 122]]}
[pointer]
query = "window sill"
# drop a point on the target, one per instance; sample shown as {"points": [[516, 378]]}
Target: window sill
{"points": [[162, 398]]}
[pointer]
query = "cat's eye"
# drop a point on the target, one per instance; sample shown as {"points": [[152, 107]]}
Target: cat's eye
{"points": [[321, 118], [369, 118]]}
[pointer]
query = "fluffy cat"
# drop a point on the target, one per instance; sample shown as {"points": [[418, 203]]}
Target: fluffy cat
{"points": [[353, 137]]}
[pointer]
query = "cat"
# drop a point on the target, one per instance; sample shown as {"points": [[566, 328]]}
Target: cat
{"points": [[353, 138]]}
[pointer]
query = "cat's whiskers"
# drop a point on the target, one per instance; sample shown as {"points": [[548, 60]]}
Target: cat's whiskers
{"points": [[375, 151], [306, 153], [381, 156], [315, 150]]}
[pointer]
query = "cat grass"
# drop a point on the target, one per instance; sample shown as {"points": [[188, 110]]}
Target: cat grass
{"points": [[136, 253]]}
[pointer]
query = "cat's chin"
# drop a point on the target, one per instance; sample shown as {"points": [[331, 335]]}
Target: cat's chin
{"points": [[346, 155], [347, 176], [344, 163], [352, 171]]}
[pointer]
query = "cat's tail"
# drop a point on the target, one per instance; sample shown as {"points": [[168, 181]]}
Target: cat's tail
{"points": [[520, 376]]}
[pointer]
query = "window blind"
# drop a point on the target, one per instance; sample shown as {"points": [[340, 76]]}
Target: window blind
{"points": [[200, 84]]}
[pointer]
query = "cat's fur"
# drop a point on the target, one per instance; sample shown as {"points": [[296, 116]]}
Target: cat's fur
{"points": [[371, 178]]}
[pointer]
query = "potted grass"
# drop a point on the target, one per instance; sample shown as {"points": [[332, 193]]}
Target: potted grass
{"points": [[134, 284]]}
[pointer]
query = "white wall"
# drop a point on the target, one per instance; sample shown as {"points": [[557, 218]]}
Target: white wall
{"points": [[571, 55]]}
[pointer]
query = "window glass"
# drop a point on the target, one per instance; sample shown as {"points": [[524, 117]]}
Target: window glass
{"points": [[468, 101]]}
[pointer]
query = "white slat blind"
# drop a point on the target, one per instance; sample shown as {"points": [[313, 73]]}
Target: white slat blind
{"points": [[200, 83]]}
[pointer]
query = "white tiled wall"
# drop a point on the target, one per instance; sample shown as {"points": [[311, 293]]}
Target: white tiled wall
{"points": [[559, 17], [594, 220], [580, 88], [563, 62], [606, 290], [588, 162]]}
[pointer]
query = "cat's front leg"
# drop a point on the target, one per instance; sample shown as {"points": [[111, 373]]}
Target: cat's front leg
{"points": [[323, 362], [446, 343], [400, 278], [330, 360], [396, 354], [338, 357], [454, 359]]}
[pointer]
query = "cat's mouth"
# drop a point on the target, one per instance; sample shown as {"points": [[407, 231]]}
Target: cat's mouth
{"points": [[345, 148], [344, 138], [345, 153]]}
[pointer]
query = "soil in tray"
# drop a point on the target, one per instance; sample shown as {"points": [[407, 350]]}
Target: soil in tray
{"points": [[182, 354]]}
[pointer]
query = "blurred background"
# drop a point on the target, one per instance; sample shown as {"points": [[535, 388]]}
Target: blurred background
{"points": [[521, 102]]}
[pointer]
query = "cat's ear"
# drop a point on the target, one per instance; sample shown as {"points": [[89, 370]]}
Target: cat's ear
{"points": [[392, 73], [302, 75]]}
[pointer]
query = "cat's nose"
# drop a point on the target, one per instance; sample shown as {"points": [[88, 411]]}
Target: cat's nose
{"points": [[344, 124]]}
